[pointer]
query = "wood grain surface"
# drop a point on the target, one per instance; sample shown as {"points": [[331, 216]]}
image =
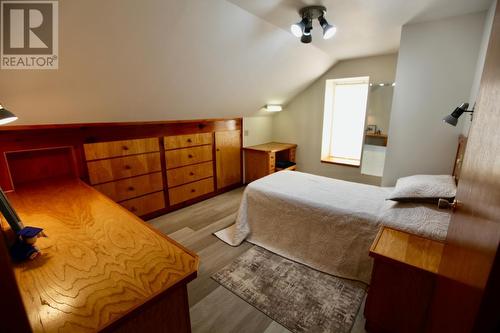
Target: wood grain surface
{"points": [[99, 262], [188, 140], [132, 187], [102, 171], [187, 156], [228, 158], [408, 249], [100, 150]]}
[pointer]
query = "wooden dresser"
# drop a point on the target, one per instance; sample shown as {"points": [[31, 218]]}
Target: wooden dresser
{"points": [[102, 268], [260, 160], [149, 168], [403, 280]]}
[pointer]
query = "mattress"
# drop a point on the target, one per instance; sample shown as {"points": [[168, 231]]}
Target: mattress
{"points": [[325, 223]]}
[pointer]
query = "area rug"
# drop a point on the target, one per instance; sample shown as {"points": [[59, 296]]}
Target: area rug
{"points": [[294, 295]]}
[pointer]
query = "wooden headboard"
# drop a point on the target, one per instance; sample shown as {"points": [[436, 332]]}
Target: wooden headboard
{"points": [[459, 158]]}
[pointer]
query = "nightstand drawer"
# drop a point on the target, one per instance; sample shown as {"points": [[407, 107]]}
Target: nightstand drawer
{"points": [[190, 173], [132, 187], [181, 157], [95, 151], [123, 167], [189, 191], [145, 204], [189, 140]]}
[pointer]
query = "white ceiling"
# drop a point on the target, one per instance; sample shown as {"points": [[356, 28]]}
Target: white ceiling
{"points": [[126, 60], [365, 27]]}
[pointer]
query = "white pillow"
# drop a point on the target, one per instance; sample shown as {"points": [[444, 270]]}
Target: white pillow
{"points": [[424, 188]]}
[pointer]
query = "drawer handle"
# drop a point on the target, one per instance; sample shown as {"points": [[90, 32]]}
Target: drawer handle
{"points": [[218, 149], [201, 126], [133, 209], [189, 140], [193, 190], [191, 173], [190, 156], [124, 147], [128, 167], [131, 188]]}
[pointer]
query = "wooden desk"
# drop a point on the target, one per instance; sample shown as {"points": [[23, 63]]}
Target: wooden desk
{"points": [[260, 160], [403, 279], [102, 268]]}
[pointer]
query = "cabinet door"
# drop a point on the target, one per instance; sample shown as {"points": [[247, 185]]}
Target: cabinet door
{"points": [[228, 158]]}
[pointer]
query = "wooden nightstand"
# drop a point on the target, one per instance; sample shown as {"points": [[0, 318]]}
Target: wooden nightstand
{"points": [[403, 279]]}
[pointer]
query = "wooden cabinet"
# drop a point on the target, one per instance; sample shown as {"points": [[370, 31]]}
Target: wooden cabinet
{"points": [[261, 160], [402, 284], [191, 190], [188, 140], [228, 158], [187, 156], [189, 161], [102, 171], [96, 151], [146, 167], [190, 173]]}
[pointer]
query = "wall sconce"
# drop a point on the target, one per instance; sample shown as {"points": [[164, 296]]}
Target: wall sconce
{"points": [[273, 108], [6, 116], [452, 118]]}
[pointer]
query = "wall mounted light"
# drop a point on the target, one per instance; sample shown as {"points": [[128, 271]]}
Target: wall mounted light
{"points": [[452, 118], [273, 108], [303, 28], [6, 116]]}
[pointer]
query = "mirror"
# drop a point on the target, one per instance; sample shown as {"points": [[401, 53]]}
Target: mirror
{"points": [[377, 127]]}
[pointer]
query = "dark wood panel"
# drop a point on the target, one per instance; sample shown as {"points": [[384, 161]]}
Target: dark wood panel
{"points": [[474, 231], [34, 165]]}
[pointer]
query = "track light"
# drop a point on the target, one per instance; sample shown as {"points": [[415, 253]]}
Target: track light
{"points": [[328, 30], [298, 28], [306, 37], [452, 118], [303, 28]]}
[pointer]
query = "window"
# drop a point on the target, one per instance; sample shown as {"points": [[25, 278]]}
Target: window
{"points": [[344, 120]]}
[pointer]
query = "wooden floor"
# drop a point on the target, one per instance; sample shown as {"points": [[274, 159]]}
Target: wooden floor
{"points": [[213, 308]]}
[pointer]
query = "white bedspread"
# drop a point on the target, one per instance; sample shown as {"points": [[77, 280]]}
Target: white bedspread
{"points": [[325, 223]]}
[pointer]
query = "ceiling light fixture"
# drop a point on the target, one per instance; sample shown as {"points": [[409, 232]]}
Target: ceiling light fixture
{"points": [[303, 28], [273, 108]]}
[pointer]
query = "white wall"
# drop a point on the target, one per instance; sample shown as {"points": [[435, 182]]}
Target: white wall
{"points": [[301, 121], [435, 70], [257, 130], [131, 60], [488, 24]]}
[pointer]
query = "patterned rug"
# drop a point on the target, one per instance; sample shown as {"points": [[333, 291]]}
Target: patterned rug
{"points": [[294, 295]]}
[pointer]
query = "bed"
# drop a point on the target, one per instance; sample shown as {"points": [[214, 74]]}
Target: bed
{"points": [[325, 223]]}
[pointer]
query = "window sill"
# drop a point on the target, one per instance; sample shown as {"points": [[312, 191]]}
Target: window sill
{"points": [[341, 161]]}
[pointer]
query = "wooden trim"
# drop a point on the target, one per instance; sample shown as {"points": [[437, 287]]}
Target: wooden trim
{"points": [[107, 124], [343, 164]]}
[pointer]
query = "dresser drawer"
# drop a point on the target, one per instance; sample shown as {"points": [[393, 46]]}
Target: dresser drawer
{"points": [[181, 157], [189, 140], [189, 191], [146, 204], [123, 167], [189, 173], [95, 151], [132, 187]]}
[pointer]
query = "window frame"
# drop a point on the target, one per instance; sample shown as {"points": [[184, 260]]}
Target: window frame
{"points": [[328, 112]]}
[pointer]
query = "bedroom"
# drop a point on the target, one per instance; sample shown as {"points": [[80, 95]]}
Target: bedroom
{"points": [[145, 139]]}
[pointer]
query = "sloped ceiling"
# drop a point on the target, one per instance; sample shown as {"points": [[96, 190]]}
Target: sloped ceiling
{"points": [[124, 60]]}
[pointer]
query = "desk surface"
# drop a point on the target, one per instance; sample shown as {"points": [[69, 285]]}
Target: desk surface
{"points": [[272, 147], [408, 249], [99, 261]]}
